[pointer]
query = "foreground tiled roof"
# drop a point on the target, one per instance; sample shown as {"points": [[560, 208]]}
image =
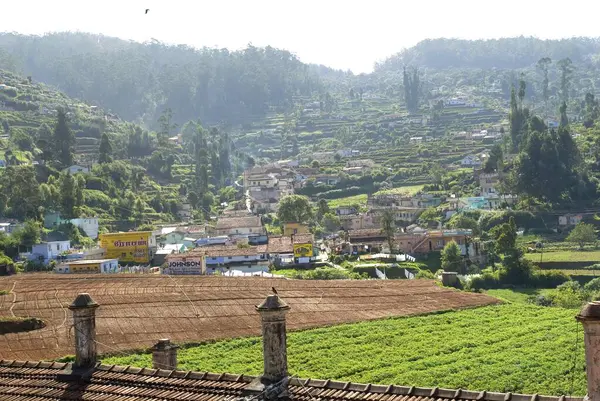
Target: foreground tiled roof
{"points": [[20, 381]]}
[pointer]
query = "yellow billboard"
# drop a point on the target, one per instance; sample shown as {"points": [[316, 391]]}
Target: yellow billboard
{"points": [[303, 250], [127, 247]]}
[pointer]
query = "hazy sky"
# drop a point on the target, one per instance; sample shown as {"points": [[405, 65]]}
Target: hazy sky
{"points": [[347, 34]]}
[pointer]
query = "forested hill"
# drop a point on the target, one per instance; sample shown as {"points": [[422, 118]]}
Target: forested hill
{"points": [[506, 53], [138, 81]]}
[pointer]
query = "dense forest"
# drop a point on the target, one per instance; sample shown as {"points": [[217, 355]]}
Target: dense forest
{"points": [[511, 53], [138, 81]]}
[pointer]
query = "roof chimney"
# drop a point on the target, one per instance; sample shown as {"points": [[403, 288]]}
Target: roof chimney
{"points": [[164, 355], [590, 318], [84, 324], [272, 313]]}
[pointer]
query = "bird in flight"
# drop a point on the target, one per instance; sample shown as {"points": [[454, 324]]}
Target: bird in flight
{"points": [[147, 11], [274, 290]]}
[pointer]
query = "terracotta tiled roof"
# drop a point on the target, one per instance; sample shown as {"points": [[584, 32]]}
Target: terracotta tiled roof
{"points": [[238, 222], [232, 250], [366, 232], [20, 381], [283, 244]]}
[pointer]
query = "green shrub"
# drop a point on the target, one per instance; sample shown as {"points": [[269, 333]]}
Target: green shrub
{"points": [[548, 278], [485, 281]]}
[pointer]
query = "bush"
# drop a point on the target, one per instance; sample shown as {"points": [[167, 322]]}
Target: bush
{"points": [[593, 285], [548, 278], [485, 281], [424, 274]]}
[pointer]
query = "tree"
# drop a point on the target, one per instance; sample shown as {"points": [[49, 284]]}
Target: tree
{"points": [[322, 208], [495, 159], [166, 126], [566, 69], [331, 222], [22, 187], [592, 111], [294, 209], [68, 195], [388, 227], [582, 234], [64, 140], [412, 87], [459, 220], [452, 260], [315, 164], [430, 217], [506, 236], [542, 66], [30, 234], [105, 150]]}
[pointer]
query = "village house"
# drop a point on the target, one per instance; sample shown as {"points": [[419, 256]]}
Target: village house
{"points": [[88, 266], [327, 179], [488, 183], [569, 220], [471, 161], [239, 226], [345, 210], [44, 252], [358, 221], [87, 378], [295, 228], [74, 169], [89, 225], [292, 249]]}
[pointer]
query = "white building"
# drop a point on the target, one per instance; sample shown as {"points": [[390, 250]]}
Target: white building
{"points": [[74, 169], [47, 251], [89, 225]]}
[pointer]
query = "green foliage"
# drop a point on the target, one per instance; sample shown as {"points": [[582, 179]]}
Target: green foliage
{"points": [[294, 209], [460, 220], [582, 234], [105, 150], [430, 217], [506, 236], [142, 80], [331, 222], [463, 349], [64, 140], [452, 260], [388, 227], [29, 234]]}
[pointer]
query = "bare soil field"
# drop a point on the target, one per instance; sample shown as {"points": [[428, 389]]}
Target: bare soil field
{"points": [[135, 311]]}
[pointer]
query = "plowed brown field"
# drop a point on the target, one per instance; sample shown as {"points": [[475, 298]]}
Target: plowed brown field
{"points": [[137, 310]]}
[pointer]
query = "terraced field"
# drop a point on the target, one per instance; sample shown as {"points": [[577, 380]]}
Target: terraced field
{"points": [[135, 311]]}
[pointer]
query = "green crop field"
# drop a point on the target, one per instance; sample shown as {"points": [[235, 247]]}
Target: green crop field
{"points": [[407, 190], [348, 201], [566, 256], [511, 347]]}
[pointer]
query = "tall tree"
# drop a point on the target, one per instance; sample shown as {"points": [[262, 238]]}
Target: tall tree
{"points": [[295, 209], [542, 65], [566, 70], [68, 196], [22, 187], [582, 234], [64, 140], [105, 150], [592, 110], [388, 227], [166, 126], [452, 260]]}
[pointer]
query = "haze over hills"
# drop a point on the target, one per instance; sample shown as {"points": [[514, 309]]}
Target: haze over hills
{"points": [[138, 81]]}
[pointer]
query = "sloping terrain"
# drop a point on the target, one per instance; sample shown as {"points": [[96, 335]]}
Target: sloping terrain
{"points": [[135, 311]]}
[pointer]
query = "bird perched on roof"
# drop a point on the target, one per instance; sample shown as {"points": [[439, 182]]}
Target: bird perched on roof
{"points": [[147, 11], [274, 290]]}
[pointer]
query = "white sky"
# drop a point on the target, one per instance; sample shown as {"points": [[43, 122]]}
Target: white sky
{"points": [[346, 34]]}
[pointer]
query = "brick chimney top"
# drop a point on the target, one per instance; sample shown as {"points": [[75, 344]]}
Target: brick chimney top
{"points": [[272, 303], [590, 312], [83, 300]]}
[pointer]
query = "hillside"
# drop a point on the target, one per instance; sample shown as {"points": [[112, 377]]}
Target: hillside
{"points": [[505, 53], [138, 81]]}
